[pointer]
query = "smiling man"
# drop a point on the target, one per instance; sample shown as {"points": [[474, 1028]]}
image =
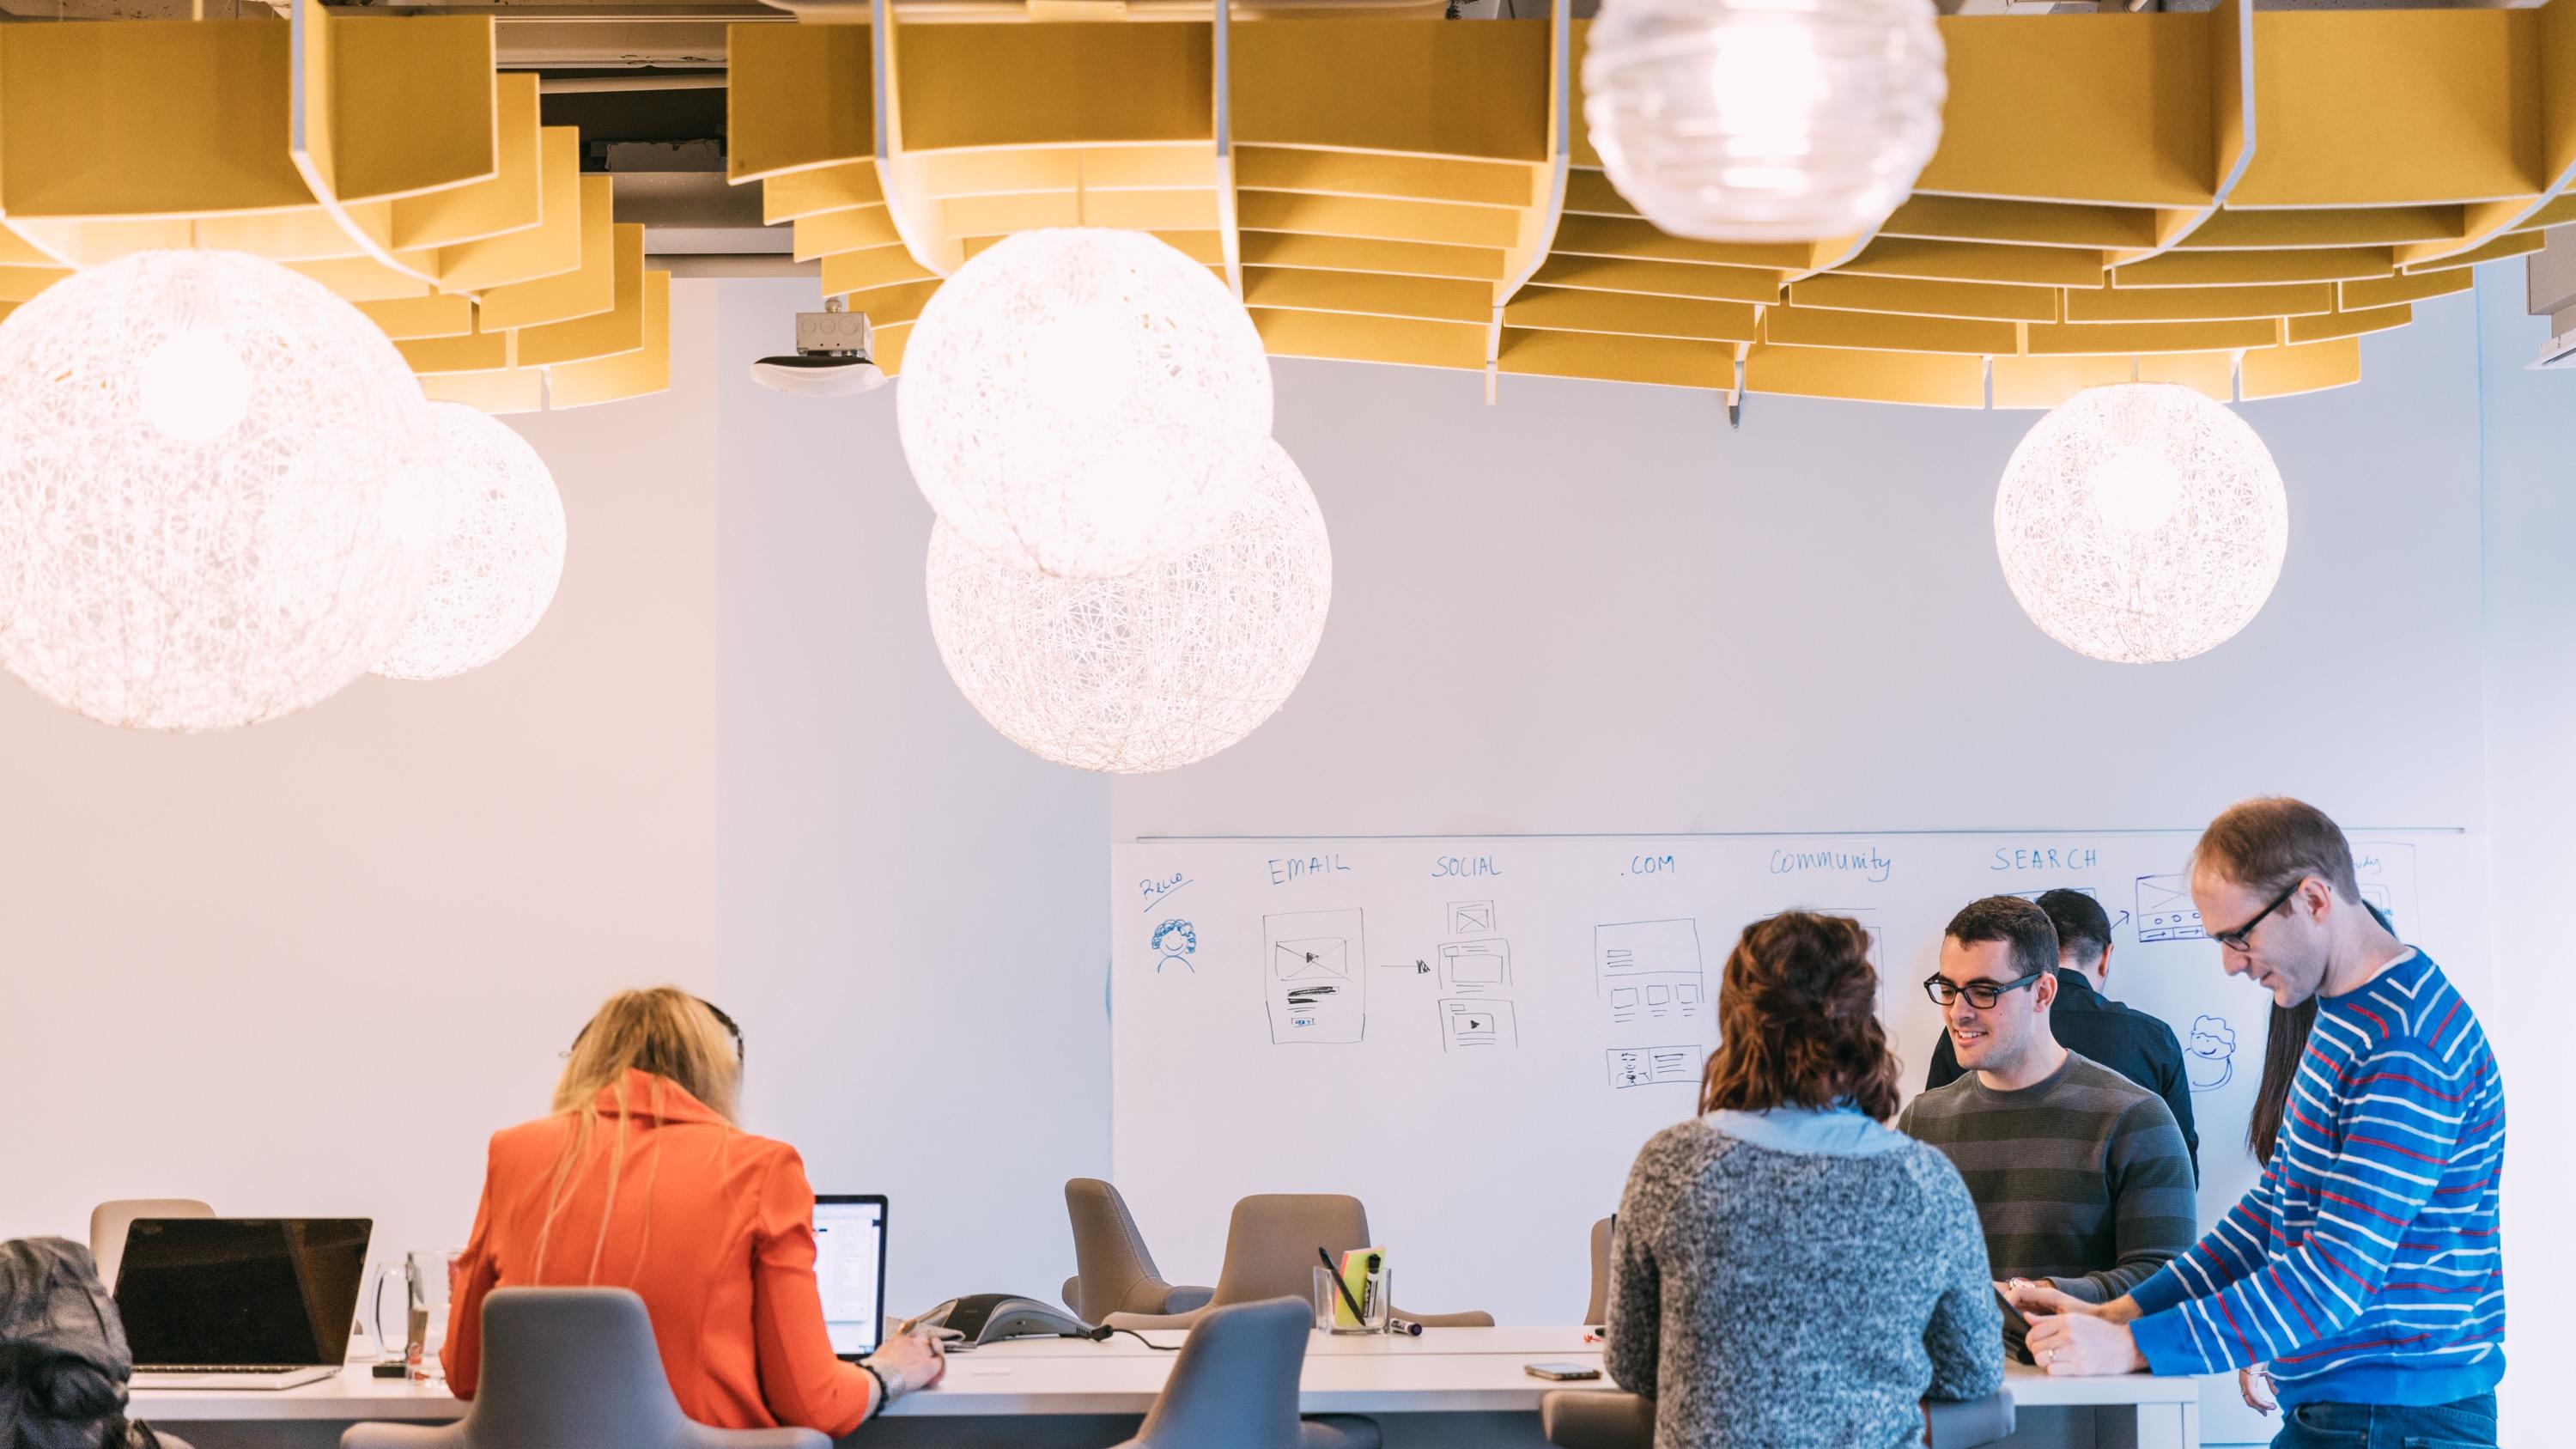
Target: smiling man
{"points": [[2080, 1176], [2365, 1265]]}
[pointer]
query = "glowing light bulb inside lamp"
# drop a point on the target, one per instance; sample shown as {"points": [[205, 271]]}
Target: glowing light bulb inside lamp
{"points": [[2136, 489], [1769, 81], [1082, 363], [194, 388]]}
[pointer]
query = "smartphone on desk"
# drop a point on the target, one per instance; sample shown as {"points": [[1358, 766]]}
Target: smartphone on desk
{"points": [[1559, 1372]]}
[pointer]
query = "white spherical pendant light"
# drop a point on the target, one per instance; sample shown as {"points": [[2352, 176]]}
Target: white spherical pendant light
{"points": [[1083, 401], [2141, 523], [218, 491], [1158, 669], [1764, 120], [499, 557]]}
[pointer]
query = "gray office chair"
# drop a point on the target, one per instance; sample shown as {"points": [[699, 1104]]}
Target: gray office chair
{"points": [[1270, 1253], [1608, 1419], [1113, 1272], [109, 1220], [571, 1368], [1596, 1309], [1235, 1385]]}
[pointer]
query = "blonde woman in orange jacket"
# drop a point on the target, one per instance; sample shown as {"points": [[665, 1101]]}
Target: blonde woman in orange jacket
{"points": [[639, 1179]]}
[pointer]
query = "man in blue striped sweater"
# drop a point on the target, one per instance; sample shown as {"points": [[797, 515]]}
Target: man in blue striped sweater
{"points": [[2365, 1265]]}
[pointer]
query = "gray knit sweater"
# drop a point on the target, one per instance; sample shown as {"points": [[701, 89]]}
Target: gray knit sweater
{"points": [[1768, 1299]]}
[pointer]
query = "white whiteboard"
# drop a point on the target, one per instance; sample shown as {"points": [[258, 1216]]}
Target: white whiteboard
{"points": [[1474, 1036]]}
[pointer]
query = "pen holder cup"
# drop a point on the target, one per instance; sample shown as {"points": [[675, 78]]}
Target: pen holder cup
{"points": [[1333, 1310]]}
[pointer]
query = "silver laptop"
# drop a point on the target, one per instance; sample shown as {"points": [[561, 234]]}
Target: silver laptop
{"points": [[240, 1303], [849, 1270]]}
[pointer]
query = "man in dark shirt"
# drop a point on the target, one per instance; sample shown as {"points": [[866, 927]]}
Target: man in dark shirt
{"points": [[2137, 1046]]}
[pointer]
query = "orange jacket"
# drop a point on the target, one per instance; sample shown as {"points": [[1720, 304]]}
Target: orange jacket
{"points": [[712, 1227]]}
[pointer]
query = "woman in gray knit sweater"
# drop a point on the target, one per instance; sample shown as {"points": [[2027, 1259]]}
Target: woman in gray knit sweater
{"points": [[1787, 1271]]}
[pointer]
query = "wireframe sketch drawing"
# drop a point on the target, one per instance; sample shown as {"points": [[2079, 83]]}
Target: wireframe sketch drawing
{"points": [[2210, 1054], [1470, 918], [1650, 971], [1314, 982], [1654, 1065], [2165, 911], [1469, 1025], [1473, 968], [1175, 942]]}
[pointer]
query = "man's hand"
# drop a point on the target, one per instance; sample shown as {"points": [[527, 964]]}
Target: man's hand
{"points": [[2254, 1382], [2038, 1299], [2083, 1341]]}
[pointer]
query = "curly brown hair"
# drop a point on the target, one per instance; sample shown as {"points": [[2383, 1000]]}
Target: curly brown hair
{"points": [[1797, 1014]]}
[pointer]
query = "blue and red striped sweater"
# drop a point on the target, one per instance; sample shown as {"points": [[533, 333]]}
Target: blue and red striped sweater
{"points": [[2365, 1265]]}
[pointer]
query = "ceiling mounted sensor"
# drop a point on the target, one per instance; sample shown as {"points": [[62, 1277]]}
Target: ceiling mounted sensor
{"points": [[833, 357]]}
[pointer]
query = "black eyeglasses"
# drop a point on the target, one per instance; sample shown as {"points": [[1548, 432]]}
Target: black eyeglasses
{"points": [[727, 1023], [2235, 940], [1981, 994], [718, 1012]]}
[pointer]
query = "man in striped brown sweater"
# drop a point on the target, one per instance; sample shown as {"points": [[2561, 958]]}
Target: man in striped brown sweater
{"points": [[2080, 1176]]}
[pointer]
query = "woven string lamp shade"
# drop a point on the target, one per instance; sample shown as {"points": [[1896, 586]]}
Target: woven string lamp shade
{"points": [[1084, 400], [499, 558], [1159, 669], [2141, 523], [1764, 120], [218, 491]]}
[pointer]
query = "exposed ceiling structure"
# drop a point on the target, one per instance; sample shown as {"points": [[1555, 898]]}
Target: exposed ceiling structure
{"points": [[2222, 198], [2216, 195]]}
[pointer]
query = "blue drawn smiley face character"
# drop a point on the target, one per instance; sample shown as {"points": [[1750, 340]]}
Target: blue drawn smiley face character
{"points": [[1175, 940], [2212, 1053]]}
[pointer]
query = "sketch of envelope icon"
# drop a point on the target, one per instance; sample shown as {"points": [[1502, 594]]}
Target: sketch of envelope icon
{"points": [[1318, 958]]}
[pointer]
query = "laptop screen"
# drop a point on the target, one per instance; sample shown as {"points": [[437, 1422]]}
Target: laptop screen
{"points": [[849, 1268], [241, 1290]]}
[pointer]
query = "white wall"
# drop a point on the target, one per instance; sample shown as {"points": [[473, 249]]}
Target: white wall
{"points": [[2530, 515], [1594, 609], [309, 967], [915, 911]]}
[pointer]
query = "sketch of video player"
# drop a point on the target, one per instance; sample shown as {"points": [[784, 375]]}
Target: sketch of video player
{"points": [[1471, 968], [1317, 958], [1650, 971], [1315, 990], [2165, 911], [1465, 1025]]}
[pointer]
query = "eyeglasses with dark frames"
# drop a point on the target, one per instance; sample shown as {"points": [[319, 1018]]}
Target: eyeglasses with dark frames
{"points": [[2235, 940], [1981, 994]]}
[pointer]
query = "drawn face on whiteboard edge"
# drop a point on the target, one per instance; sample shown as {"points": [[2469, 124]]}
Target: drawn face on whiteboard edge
{"points": [[2000, 1037], [2285, 948]]}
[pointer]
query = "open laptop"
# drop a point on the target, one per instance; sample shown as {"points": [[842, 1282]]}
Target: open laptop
{"points": [[849, 1268], [240, 1303]]}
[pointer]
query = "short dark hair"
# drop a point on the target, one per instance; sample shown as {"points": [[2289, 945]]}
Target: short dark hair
{"points": [[2010, 919], [2265, 843], [2083, 927], [1797, 1011]]}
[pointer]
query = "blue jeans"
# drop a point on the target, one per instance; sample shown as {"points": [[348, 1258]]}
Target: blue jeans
{"points": [[2459, 1424]]}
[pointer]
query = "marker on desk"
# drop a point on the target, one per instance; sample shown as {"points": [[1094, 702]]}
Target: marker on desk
{"points": [[1403, 1325]]}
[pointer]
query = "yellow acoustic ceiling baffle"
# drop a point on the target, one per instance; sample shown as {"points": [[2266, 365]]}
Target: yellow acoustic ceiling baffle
{"points": [[2222, 199], [380, 155]]}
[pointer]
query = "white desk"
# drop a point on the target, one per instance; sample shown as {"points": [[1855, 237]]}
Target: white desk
{"points": [[1445, 1372]]}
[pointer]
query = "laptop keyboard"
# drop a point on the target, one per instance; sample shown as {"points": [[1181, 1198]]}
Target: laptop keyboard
{"points": [[221, 1368]]}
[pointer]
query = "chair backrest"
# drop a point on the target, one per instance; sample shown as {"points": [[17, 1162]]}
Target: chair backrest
{"points": [[1270, 1243], [1597, 1308], [1109, 1256], [109, 1220], [571, 1368], [1235, 1383]]}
